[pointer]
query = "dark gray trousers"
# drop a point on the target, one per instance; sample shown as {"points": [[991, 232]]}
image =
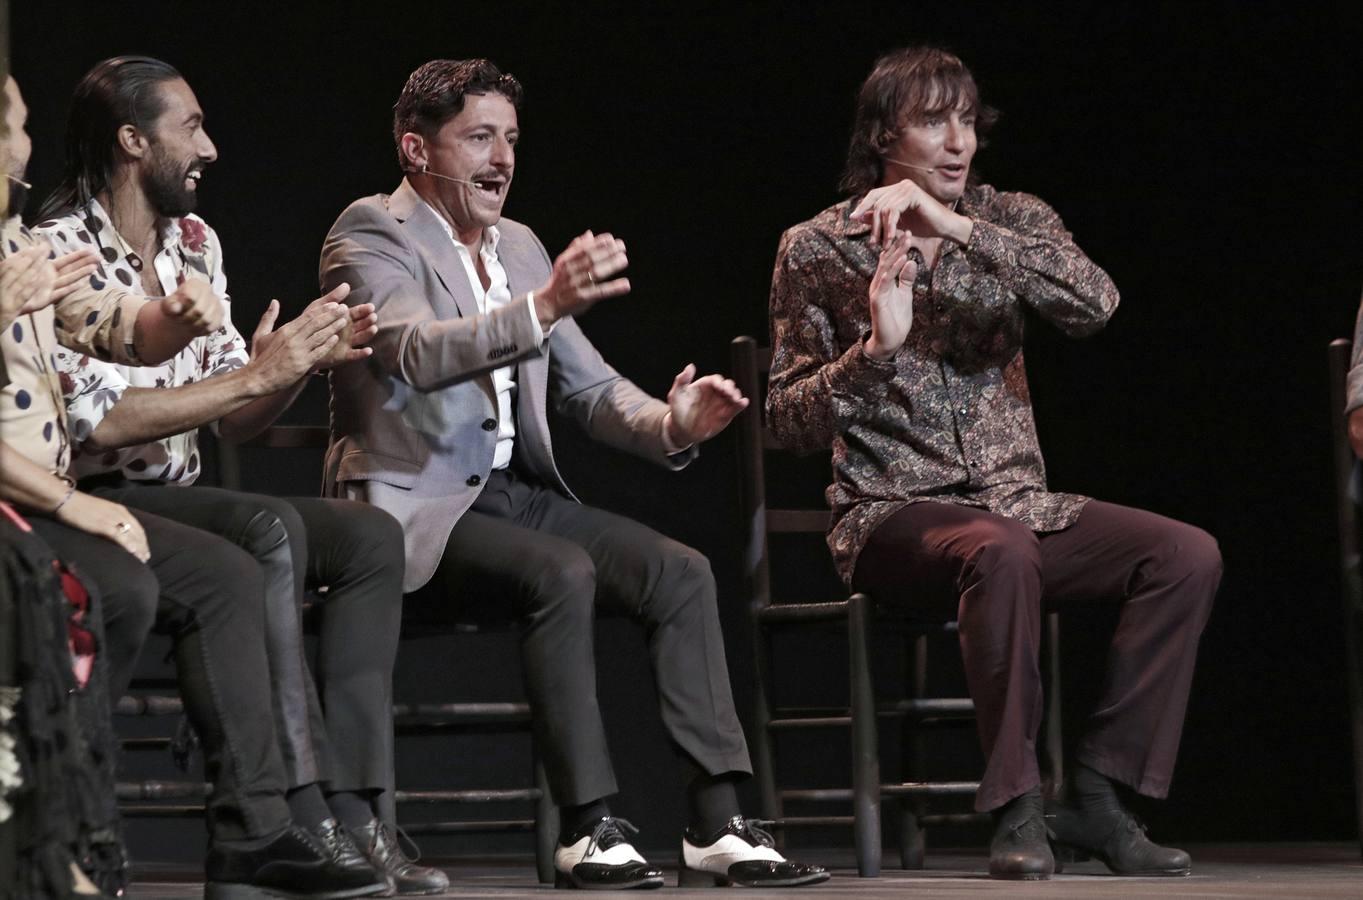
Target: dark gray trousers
{"points": [[555, 564], [206, 593], [997, 577], [346, 739]]}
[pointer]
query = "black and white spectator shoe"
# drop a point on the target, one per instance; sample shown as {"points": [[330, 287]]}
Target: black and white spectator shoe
{"points": [[599, 857], [740, 853]]}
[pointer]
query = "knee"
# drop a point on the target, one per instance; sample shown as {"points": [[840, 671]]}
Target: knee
{"points": [[1007, 552], [687, 585], [560, 583], [379, 540], [130, 606], [1187, 553], [266, 530]]}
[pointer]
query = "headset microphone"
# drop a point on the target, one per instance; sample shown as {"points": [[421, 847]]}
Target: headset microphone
{"points": [[908, 165], [425, 171], [19, 181]]}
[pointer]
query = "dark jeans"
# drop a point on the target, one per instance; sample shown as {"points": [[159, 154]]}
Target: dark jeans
{"points": [[996, 577], [206, 593], [355, 551], [555, 563]]}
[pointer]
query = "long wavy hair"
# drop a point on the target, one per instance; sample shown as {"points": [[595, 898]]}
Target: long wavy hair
{"points": [[906, 85], [117, 92]]}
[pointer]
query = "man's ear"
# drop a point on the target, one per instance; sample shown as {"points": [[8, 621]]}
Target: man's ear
{"points": [[413, 151], [131, 141]]}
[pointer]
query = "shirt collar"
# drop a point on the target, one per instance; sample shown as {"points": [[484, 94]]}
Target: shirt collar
{"points": [[491, 235]]}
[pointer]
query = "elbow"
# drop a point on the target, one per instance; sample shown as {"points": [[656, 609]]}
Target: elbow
{"points": [[1096, 314]]}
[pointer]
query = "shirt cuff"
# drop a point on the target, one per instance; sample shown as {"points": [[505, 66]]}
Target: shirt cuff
{"points": [[669, 448], [540, 334]]}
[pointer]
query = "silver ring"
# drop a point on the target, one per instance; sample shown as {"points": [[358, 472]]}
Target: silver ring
{"points": [[123, 528], [590, 279]]}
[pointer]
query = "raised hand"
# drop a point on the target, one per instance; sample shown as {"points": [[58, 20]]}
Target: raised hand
{"points": [[281, 357], [700, 409], [72, 269], [195, 306], [359, 329], [906, 205], [891, 298], [582, 277]]}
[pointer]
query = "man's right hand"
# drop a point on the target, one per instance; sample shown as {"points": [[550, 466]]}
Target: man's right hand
{"points": [[580, 277], [280, 358], [102, 518], [891, 297], [195, 307]]}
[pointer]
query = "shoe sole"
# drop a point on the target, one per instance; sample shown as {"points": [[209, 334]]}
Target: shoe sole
{"points": [[220, 890], [1068, 853], [699, 878], [566, 881]]}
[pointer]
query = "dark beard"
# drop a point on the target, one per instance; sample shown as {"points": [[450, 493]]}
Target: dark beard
{"points": [[164, 185]]}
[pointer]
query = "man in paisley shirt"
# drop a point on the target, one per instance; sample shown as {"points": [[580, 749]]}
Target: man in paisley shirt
{"points": [[144, 568], [897, 322], [136, 151]]}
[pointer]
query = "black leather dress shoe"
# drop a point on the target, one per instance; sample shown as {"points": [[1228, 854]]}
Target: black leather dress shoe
{"points": [[296, 864], [381, 846], [740, 853], [598, 857], [1117, 838], [1019, 850]]}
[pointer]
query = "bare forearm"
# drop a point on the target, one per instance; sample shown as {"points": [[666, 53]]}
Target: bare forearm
{"points": [[27, 484], [253, 418], [148, 414], [158, 336]]}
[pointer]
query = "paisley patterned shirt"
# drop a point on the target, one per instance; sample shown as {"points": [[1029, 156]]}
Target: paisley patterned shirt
{"points": [[189, 249], [93, 318], [949, 418]]}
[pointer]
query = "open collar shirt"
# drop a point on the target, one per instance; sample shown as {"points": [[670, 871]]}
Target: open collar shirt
{"points": [[188, 249], [949, 418]]}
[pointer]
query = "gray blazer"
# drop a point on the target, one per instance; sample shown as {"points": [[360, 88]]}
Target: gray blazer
{"points": [[413, 428]]}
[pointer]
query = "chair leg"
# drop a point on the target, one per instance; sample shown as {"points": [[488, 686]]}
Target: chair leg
{"points": [[865, 751], [912, 838], [764, 757], [546, 826]]}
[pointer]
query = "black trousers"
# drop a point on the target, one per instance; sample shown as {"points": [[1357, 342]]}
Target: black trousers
{"points": [[345, 738], [555, 563], [996, 577], [206, 593]]}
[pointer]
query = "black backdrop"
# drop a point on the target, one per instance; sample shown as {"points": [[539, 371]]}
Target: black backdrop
{"points": [[1204, 154]]}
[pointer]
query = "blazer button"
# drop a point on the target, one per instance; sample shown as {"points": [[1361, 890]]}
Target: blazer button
{"points": [[489, 424], [473, 481]]}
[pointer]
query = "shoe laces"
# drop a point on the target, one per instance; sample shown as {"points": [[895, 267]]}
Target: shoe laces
{"points": [[611, 829], [757, 828], [398, 838]]}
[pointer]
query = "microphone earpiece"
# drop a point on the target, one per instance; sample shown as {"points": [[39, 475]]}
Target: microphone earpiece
{"points": [[19, 181]]}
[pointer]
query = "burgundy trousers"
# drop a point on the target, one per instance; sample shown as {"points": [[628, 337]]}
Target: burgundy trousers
{"points": [[999, 578]]}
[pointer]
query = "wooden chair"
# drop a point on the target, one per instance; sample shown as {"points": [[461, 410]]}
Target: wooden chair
{"points": [[859, 616], [179, 797], [1348, 478]]}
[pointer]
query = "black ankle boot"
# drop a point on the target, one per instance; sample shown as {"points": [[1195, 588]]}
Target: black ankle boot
{"points": [[1019, 849], [1116, 838]]}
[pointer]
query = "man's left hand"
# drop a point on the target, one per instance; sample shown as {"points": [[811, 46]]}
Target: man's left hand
{"points": [[906, 205], [360, 330], [700, 409]]}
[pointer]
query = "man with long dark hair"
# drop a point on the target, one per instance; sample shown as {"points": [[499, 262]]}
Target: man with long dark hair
{"points": [[136, 152], [203, 590], [897, 320], [445, 427]]}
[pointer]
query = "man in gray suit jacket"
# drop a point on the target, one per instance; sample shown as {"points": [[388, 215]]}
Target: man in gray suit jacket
{"points": [[445, 427]]}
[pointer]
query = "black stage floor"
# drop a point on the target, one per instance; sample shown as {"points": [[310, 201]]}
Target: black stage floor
{"points": [[1227, 870]]}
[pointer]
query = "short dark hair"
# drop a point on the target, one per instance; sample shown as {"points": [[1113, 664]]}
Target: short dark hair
{"points": [[116, 92], [435, 93], [906, 85]]}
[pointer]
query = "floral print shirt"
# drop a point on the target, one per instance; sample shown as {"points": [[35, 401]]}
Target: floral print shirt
{"points": [[189, 249], [949, 418], [94, 319]]}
